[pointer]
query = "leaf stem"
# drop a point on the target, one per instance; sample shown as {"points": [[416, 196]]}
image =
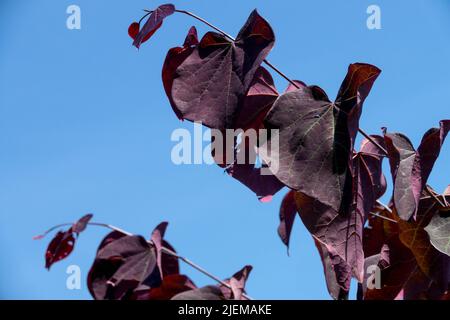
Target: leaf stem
{"points": [[387, 209], [372, 140]]}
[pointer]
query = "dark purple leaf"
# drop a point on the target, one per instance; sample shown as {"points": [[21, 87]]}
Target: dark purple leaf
{"points": [[174, 59], [237, 284], [121, 266], [64, 241], [59, 248], [153, 23], [157, 238], [337, 272], [341, 233], [81, 224], [316, 137], [410, 168], [259, 99], [209, 86], [170, 264], [263, 185]]}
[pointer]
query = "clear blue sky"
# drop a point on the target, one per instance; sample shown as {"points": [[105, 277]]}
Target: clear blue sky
{"points": [[85, 127]]}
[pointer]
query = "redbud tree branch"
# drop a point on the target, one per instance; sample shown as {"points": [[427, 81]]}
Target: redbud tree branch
{"points": [[163, 250], [283, 75]]}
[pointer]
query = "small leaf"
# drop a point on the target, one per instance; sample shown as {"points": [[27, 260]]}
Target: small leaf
{"points": [[59, 248], [237, 284], [64, 241], [81, 224], [152, 24], [133, 30]]}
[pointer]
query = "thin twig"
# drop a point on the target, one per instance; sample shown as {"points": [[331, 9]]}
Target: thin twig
{"points": [[163, 249], [431, 193], [382, 217], [384, 206], [372, 140]]}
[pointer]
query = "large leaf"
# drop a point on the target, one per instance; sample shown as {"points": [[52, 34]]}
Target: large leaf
{"points": [[340, 233], [209, 86], [410, 168], [317, 136]]}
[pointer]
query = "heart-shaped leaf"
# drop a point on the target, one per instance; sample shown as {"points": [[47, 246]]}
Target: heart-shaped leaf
{"points": [[210, 84], [316, 137]]}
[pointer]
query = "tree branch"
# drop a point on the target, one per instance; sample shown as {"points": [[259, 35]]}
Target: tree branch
{"points": [[163, 249]]}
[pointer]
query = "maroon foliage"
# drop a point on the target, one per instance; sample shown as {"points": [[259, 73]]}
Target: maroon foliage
{"points": [[210, 84], [316, 136], [410, 168], [152, 24], [64, 241]]}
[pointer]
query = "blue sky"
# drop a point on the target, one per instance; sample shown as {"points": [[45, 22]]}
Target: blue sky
{"points": [[85, 127]]}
